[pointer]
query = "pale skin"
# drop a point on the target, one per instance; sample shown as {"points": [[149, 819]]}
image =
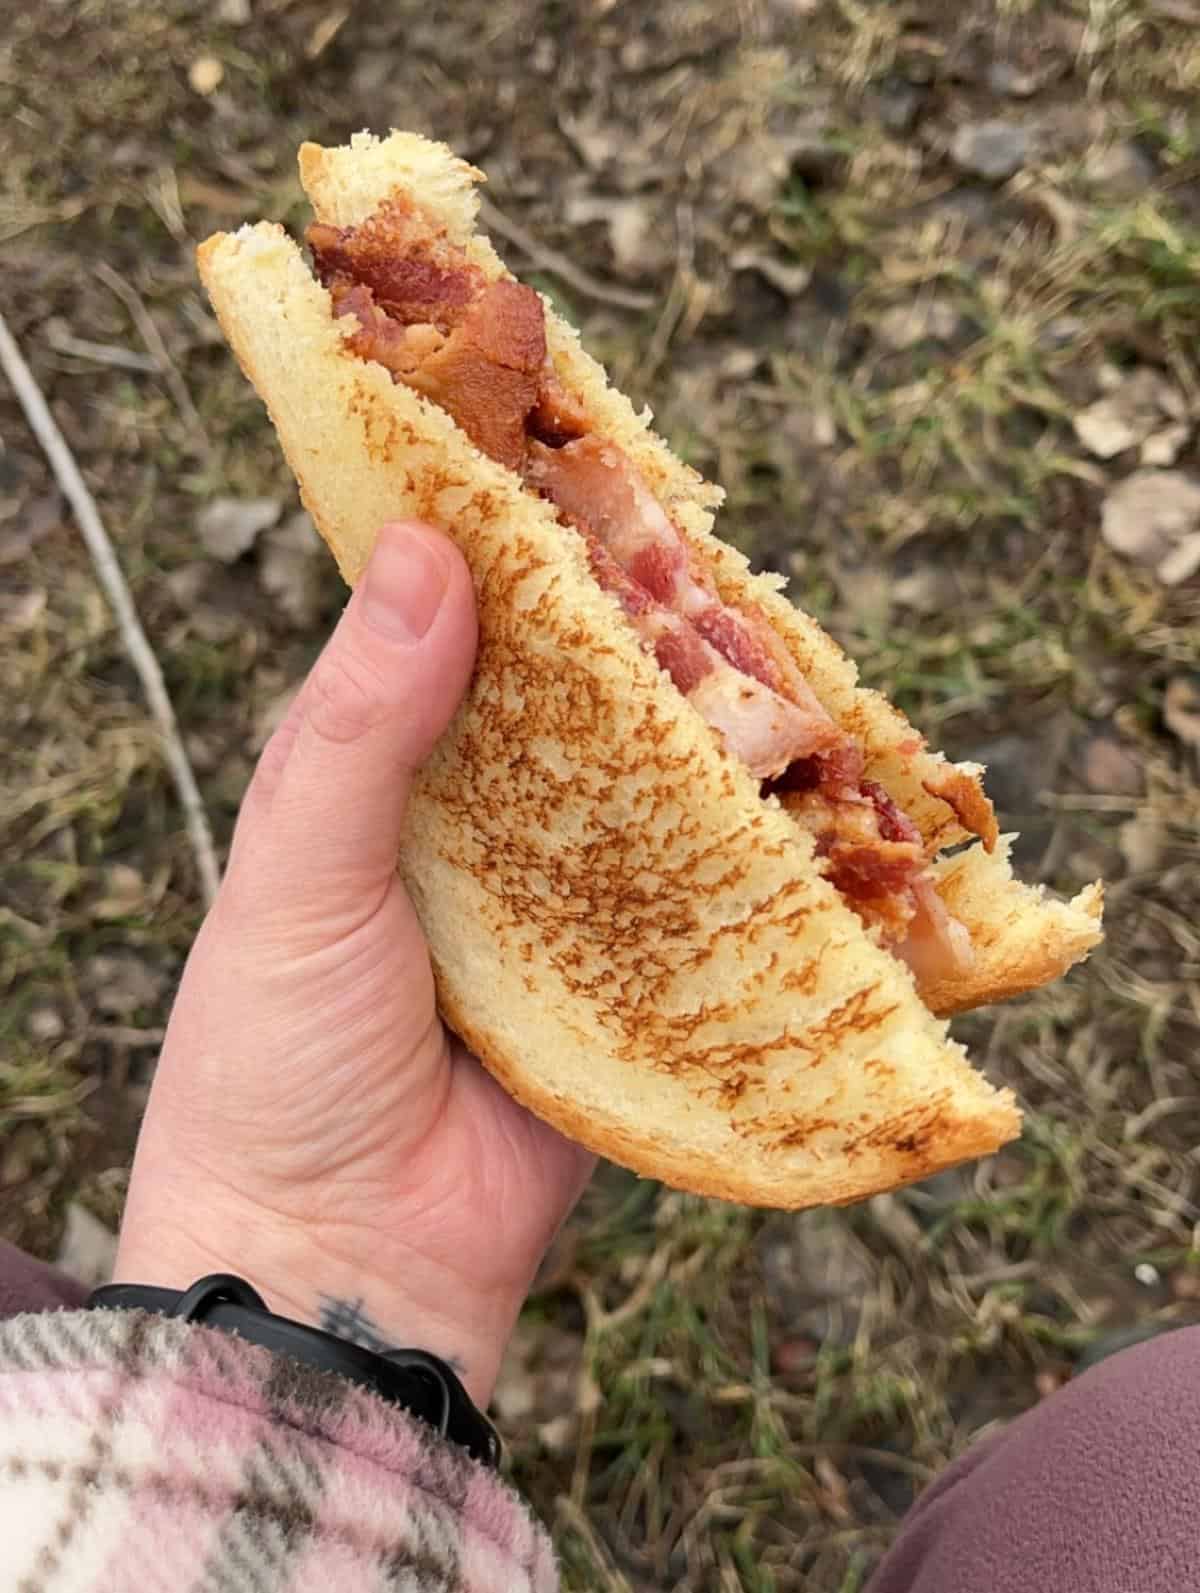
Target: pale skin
{"points": [[312, 1126]]}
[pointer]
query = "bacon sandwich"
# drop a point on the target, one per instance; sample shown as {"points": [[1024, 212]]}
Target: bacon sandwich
{"points": [[691, 893]]}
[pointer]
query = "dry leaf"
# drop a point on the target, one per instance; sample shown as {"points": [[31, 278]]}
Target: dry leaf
{"points": [[1131, 412], [925, 320], [639, 242], [1165, 447], [1149, 514], [323, 35]]}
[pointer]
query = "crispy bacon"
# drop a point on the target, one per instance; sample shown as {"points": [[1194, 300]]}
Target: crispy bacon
{"points": [[411, 270], [557, 417], [478, 350], [486, 372], [401, 349]]}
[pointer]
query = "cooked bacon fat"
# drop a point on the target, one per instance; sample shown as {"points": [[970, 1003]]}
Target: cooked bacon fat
{"points": [[478, 350]]}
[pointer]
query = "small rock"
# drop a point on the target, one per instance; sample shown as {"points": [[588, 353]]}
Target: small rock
{"points": [[924, 320], [1149, 514], [1047, 1383], [995, 150], [205, 74], [1121, 170], [88, 1250], [228, 527], [235, 12], [1110, 768], [46, 1025]]}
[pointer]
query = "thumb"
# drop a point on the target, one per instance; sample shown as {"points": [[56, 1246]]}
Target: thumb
{"points": [[322, 822]]}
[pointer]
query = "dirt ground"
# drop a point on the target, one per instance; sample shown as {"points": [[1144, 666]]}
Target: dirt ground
{"points": [[920, 284]]}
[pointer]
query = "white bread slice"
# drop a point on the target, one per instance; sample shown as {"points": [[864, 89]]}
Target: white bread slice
{"points": [[633, 941]]}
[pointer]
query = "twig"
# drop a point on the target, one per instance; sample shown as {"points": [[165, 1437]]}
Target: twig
{"points": [[551, 260], [108, 568], [63, 341], [153, 340]]}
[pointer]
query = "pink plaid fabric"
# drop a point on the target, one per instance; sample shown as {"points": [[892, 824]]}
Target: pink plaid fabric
{"points": [[139, 1454]]}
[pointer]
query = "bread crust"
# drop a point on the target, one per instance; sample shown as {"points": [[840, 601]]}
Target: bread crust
{"points": [[635, 943]]}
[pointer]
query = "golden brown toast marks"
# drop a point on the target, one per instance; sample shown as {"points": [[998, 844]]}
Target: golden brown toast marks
{"points": [[637, 944]]}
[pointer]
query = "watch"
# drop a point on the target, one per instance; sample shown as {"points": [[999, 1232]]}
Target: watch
{"points": [[416, 1381]]}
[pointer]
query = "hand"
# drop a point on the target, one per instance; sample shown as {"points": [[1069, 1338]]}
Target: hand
{"points": [[312, 1126]]}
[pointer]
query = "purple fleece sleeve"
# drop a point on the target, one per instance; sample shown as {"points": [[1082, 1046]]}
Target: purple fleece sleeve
{"points": [[1096, 1490], [29, 1285]]}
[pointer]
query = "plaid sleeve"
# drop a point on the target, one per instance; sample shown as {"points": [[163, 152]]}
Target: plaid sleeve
{"points": [[139, 1454]]}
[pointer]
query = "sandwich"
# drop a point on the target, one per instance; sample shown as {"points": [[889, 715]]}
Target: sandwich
{"points": [[691, 893]]}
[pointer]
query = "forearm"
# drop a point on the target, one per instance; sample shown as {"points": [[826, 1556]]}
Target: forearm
{"points": [[409, 1301]]}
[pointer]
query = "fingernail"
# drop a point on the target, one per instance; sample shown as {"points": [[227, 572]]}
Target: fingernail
{"points": [[404, 585]]}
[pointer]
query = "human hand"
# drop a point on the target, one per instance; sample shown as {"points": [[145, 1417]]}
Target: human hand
{"points": [[312, 1126]]}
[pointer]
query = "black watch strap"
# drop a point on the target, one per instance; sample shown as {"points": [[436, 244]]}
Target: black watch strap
{"points": [[419, 1383]]}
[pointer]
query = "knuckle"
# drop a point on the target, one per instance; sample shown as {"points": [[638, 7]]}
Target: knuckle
{"points": [[348, 697]]}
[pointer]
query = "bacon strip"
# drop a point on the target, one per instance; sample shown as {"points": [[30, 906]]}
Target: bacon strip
{"points": [[478, 350]]}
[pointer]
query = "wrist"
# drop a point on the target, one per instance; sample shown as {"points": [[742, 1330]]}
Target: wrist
{"points": [[303, 1275]]}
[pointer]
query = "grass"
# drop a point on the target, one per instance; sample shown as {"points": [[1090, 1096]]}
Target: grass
{"points": [[707, 1398]]}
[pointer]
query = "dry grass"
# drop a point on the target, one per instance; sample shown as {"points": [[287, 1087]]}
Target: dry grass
{"points": [[700, 1397]]}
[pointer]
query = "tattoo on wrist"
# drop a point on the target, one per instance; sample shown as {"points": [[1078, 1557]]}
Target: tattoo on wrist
{"points": [[349, 1320]]}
